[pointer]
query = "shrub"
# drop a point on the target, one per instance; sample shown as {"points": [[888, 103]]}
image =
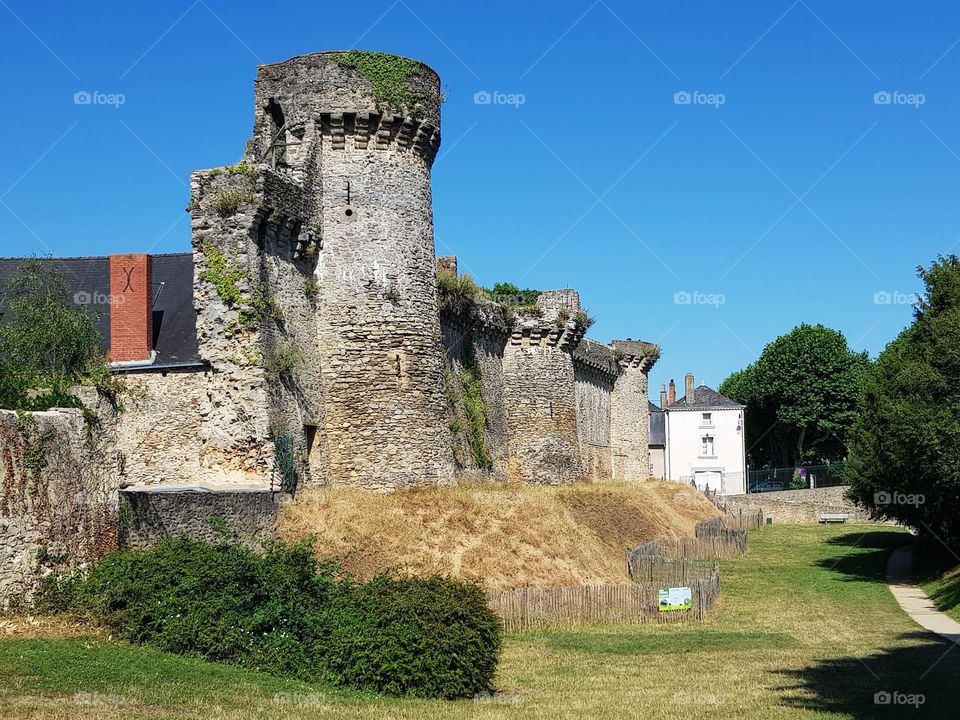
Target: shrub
{"points": [[427, 637], [283, 613]]}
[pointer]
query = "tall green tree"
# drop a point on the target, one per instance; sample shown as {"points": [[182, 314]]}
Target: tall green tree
{"points": [[905, 444], [801, 397], [44, 340]]}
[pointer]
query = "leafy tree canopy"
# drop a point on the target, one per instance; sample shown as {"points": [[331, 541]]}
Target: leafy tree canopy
{"points": [[801, 397], [905, 443], [44, 340]]}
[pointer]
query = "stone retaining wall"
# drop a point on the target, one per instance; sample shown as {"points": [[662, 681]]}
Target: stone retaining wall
{"points": [[247, 516], [798, 506]]}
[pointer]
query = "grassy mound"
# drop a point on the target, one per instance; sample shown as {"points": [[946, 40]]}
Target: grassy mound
{"points": [[500, 535]]}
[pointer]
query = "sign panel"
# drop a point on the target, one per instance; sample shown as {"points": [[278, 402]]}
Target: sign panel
{"points": [[675, 598]]}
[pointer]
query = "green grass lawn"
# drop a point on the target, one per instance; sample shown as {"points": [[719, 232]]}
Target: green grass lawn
{"points": [[805, 628], [944, 589]]}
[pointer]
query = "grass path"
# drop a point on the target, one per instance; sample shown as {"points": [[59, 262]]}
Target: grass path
{"points": [[806, 628]]}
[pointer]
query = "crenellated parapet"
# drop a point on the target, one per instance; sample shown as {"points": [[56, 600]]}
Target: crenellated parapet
{"points": [[531, 333]]}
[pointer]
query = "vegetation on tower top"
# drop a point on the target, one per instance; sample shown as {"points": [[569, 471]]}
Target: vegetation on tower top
{"points": [[390, 76]]}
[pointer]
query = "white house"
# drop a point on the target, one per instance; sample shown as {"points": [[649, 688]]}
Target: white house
{"points": [[704, 439]]}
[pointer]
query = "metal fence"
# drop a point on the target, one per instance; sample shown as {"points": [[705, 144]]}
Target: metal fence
{"points": [[798, 478]]}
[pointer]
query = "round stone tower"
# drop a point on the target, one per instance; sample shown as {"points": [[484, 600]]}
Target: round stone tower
{"points": [[358, 131]]}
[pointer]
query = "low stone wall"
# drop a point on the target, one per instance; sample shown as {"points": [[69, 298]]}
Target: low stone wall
{"points": [[798, 506], [244, 515]]}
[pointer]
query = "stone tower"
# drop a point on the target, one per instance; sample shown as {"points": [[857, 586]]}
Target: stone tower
{"points": [[357, 132]]}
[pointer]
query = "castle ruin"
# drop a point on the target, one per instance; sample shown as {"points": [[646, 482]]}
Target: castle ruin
{"points": [[302, 342]]}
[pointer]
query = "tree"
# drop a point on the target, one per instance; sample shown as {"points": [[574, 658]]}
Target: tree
{"points": [[801, 397], [44, 341], [905, 444]]}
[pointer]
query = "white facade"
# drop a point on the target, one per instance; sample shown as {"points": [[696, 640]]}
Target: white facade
{"points": [[705, 444]]}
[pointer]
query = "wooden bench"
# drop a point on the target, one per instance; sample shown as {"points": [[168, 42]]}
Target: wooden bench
{"points": [[833, 518]]}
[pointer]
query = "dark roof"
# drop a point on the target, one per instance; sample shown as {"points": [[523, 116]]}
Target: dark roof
{"points": [[174, 319], [658, 429], [88, 283], [704, 398]]}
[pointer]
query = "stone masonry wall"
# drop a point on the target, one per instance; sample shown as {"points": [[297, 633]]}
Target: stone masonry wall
{"points": [[58, 497], [799, 506], [476, 342], [246, 516], [541, 406], [593, 390]]}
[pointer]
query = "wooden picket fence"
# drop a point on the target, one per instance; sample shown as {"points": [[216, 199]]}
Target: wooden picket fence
{"points": [[668, 562], [531, 608]]}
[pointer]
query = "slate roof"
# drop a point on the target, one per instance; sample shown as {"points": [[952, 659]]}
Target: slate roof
{"points": [[658, 425], [705, 398], [88, 283]]}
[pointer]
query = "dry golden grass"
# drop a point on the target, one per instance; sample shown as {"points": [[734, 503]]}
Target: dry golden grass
{"points": [[502, 535]]}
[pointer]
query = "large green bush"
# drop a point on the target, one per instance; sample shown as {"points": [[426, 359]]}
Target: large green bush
{"points": [[429, 637], [282, 613]]}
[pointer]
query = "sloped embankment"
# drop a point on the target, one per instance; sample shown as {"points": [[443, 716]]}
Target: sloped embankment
{"points": [[503, 535]]}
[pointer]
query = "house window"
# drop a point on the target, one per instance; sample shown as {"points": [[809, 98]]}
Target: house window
{"points": [[706, 446], [706, 420]]}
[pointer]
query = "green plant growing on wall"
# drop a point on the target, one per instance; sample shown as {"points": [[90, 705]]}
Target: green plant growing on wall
{"points": [[124, 515], [476, 411], [466, 392], [286, 358], [36, 442], [390, 76], [220, 525], [584, 319], [228, 202], [311, 288], [219, 272], [456, 293]]}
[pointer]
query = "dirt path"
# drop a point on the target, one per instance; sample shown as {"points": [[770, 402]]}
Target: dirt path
{"points": [[915, 602]]}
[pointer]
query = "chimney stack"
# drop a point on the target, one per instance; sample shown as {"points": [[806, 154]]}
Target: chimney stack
{"points": [[663, 396], [688, 381], [131, 308], [673, 392]]}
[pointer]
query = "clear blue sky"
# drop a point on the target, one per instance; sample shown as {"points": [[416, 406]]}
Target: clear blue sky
{"points": [[795, 200]]}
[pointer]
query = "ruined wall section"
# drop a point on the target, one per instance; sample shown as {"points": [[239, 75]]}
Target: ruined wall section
{"points": [[256, 332], [58, 497]]}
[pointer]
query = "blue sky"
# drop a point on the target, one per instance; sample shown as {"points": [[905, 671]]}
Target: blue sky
{"points": [[784, 191]]}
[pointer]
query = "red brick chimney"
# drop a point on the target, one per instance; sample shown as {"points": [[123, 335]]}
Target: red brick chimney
{"points": [[673, 392], [131, 308]]}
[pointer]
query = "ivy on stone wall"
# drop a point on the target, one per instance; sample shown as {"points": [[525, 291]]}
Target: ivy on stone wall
{"points": [[389, 74], [468, 412]]}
